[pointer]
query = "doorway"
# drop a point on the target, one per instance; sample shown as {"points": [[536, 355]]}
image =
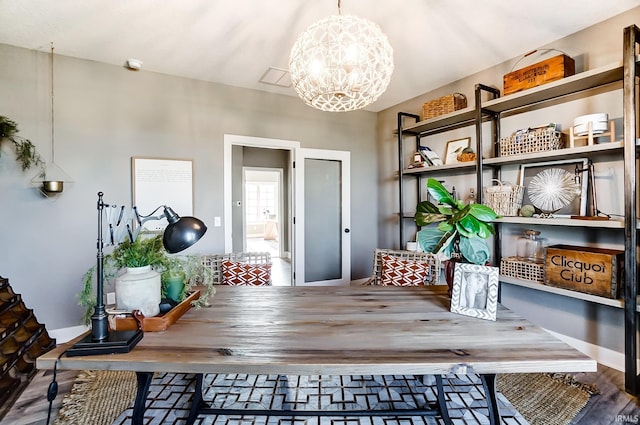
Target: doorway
{"points": [[263, 207], [254, 160], [311, 176]]}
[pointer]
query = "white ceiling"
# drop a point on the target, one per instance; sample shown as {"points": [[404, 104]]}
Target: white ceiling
{"points": [[234, 42]]}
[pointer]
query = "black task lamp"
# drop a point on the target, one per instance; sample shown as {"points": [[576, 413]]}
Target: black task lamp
{"points": [[181, 233]]}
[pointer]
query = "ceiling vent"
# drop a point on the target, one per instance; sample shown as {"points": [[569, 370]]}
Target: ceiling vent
{"points": [[276, 77]]}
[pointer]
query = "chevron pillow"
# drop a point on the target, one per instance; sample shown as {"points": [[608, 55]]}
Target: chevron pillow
{"points": [[398, 272], [237, 274]]}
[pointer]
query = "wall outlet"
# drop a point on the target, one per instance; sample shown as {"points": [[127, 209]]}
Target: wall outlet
{"points": [[111, 298], [217, 222]]}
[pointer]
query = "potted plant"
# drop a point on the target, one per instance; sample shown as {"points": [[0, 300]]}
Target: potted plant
{"points": [[173, 280], [182, 274], [148, 252], [26, 153], [461, 230]]}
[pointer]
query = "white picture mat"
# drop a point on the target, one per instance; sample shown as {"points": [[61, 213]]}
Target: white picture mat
{"points": [[451, 154], [160, 181], [485, 281], [579, 205]]}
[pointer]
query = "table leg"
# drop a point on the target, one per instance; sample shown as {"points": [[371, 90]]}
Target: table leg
{"points": [[442, 403], [144, 380], [489, 384], [196, 401]]}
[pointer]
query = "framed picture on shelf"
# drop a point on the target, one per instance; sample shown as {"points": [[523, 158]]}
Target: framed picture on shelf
{"points": [[454, 148], [578, 206], [475, 291]]}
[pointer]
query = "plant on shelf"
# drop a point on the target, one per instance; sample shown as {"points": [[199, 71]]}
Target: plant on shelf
{"points": [[148, 250], [26, 153], [461, 230]]}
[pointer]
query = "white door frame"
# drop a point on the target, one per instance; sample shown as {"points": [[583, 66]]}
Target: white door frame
{"points": [[259, 142], [345, 158]]}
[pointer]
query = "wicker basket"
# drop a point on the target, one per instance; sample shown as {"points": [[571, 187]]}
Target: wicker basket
{"points": [[444, 105], [513, 267], [504, 199], [537, 140]]}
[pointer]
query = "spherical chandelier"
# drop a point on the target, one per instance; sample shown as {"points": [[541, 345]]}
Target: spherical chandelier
{"points": [[341, 63]]}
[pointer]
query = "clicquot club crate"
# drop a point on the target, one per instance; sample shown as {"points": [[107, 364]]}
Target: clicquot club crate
{"points": [[595, 271], [539, 73]]}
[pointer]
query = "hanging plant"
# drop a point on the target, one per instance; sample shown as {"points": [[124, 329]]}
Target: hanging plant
{"points": [[26, 153]]}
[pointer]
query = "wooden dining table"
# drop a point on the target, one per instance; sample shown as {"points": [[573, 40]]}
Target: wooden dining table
{"points": [[353, 330]]}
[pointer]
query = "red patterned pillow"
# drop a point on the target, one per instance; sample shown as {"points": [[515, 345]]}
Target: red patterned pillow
{"points": [[236, 274], [398, 272]]}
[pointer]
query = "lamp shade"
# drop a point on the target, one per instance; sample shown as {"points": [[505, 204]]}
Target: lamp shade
{"points": [[182, 232], [341, 63]]}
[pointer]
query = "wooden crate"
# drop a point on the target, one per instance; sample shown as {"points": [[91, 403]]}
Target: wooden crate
{"points": [[539, 73], [595, 271]]}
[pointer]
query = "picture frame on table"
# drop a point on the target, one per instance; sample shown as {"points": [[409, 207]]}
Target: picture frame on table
{"points": [[475, 291], [454, 148], [577, 207]]}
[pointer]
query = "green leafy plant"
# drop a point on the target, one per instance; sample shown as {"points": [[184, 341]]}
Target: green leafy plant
{"points": [[26, 153], [147, 251], [196, 276], [460, 227], [144, 251]]}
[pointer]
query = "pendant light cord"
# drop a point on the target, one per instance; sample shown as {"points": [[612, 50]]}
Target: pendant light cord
{"points": [[52, 120]]}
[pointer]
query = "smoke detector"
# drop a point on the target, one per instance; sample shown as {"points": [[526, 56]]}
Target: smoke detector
{"points": [[133, 64]]}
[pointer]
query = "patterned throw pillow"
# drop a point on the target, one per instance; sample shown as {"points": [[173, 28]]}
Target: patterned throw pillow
{"points": [[236, 274], [398, 272]]}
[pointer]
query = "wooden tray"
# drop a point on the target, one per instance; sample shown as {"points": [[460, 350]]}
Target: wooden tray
{"points": [[121, 322]]}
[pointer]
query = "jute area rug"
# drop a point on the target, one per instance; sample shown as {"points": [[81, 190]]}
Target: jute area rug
{"points": [[106, 397]]}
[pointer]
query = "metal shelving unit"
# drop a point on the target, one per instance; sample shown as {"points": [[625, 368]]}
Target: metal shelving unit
{"points": [[625, 75]]}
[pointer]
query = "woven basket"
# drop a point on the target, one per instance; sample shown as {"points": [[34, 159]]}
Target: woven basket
{"points": [[444, 105], [504, 199], [537, 140], [513, 267]]}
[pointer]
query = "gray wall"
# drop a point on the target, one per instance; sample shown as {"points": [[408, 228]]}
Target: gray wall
{"points": [[106, 114], [593, 47]]}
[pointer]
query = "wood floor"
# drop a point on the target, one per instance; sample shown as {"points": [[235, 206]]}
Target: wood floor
{"points": [[610, 406]]}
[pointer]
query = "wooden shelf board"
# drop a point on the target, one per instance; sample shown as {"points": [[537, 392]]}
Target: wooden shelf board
{"points": [[565, 86], [566, 153], [606, 224], [467, 166], [617, 303], [456, 119]]}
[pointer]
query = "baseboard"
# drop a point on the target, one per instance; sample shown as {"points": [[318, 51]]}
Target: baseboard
{"points": [[66, 334], [604, 356], [358, 282]]}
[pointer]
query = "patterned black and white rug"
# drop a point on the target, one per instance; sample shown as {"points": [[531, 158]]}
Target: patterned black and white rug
{"points": [[170, 399]]}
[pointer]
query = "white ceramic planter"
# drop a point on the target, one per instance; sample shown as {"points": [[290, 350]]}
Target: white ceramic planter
{"points": [[139, 288]]}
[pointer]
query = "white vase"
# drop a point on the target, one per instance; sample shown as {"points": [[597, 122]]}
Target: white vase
{"points": [[139, 288]]}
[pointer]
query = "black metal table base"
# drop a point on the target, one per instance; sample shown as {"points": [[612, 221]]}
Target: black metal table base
{"points": [[199, 406]]}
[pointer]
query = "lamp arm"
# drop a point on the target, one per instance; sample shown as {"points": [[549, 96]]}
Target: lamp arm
{"points": [[143, 220]]}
